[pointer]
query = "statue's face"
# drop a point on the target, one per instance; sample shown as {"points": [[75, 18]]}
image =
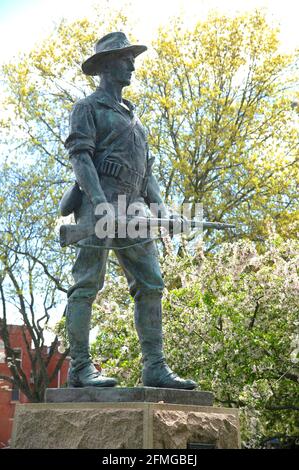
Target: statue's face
{"points": [[121, 69]]}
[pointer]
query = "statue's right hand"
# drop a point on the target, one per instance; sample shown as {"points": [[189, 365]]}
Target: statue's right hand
{"points": [[101, 207], [105, 221]]}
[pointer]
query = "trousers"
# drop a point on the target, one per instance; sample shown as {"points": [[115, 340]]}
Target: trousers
{"points": [[139, 263]]}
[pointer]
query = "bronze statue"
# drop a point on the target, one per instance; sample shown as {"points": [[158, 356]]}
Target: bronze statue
{"points": [[109, 153]]}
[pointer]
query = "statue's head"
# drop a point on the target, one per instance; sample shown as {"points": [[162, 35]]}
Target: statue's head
{"points": [[118, 68], [114, 54]]}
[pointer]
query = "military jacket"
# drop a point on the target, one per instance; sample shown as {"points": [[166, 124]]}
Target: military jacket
{"points": [[96, 121]]}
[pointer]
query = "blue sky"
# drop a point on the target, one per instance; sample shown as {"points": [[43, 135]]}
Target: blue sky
{"points": [[25, 22], [9, 7]]}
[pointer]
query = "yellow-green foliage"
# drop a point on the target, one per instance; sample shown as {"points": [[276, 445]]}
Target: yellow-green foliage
{"points": [[219, 105], [218, 101], [230, 322]]}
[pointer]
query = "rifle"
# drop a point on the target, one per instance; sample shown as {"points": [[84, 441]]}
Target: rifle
{"points": [[71, 234]]}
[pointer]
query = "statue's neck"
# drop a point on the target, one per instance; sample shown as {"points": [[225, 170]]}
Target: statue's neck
{"points": [[113, 89]]}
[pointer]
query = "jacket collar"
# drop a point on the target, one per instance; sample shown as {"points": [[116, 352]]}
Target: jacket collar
{"points": [[104, 98]]}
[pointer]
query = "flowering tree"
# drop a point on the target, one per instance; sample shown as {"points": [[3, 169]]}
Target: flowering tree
{"points": [[32, 277], [217, 104], [230, 322], [39, 91]]}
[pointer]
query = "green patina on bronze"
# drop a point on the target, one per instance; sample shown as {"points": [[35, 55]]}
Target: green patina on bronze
{"points": [[101, 121]]}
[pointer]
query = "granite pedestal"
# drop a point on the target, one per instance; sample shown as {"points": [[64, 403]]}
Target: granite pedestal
{"points": [[125, 418]]}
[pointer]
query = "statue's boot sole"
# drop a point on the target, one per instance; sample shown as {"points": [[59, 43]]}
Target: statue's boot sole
{"points": [[93, 383]]}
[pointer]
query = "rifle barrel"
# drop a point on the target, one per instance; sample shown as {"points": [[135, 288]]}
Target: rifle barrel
{"points": [[217, 225]]}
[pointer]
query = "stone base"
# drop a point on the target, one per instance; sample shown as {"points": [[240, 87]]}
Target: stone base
{"points": [[123, 426]]}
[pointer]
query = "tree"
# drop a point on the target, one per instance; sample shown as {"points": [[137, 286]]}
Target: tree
{"points": [[217, 102], [40, 90], [31, 275], [229, 322]]}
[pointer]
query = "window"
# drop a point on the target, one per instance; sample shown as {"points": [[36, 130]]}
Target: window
{"points": [[15, 393], [2, 352]]}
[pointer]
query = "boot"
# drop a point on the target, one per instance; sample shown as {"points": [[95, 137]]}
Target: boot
{"points": [[148, 321], [82, 372]]}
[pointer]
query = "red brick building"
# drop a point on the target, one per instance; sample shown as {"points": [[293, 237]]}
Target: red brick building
{"points": [[10, 395]]}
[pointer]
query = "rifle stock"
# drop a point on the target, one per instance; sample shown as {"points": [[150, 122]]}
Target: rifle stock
{"points": [[71, 233]]}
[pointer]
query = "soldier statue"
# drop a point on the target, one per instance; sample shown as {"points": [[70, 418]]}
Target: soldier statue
{"points": [[109, 154]]}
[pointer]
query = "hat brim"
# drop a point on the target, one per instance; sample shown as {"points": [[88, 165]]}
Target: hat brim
{"points": [[91, 65]]}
